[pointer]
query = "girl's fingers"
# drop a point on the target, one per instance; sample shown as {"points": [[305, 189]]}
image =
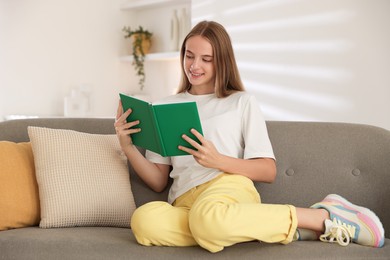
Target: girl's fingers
{"points": [[198, 135], [191, 141], [187, 150], [130, 131], [131, 124], [119, 111], [120, 126], [122, 118]]}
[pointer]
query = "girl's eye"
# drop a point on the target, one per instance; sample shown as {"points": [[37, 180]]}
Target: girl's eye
{"points": [[189, 57], [207, 60]]}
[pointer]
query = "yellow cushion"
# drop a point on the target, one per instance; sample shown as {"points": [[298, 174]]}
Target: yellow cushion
{"points": [[19, 199]]}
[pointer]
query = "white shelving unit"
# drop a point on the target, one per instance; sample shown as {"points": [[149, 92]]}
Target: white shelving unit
{"points": [[143, 4], [137, 5], [162, 65], [157, 56]]}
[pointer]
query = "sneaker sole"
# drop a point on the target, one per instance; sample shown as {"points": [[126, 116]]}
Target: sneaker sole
{"points": [[368, 217]]}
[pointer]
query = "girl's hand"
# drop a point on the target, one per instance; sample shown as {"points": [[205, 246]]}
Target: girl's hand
{"points": [[123, 129], [206, 153]]}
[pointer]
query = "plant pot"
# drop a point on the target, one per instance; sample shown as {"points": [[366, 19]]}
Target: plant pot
{"points": [[145, 43]]}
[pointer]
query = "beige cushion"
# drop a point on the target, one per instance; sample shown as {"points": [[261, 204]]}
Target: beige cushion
{"points": [[19, 200], [83, 179]]}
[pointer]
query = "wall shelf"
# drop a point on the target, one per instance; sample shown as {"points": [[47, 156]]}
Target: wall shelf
{"points": [[140, 5], [143, 4], [157, 56], [162, 64]]}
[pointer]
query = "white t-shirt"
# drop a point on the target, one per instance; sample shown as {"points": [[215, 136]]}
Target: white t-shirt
{"points": [[234, 124]]}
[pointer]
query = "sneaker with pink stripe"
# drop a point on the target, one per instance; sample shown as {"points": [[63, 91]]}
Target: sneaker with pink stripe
{"points": [[349, 222]]}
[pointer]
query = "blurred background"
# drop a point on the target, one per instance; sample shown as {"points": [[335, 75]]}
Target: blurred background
{"points": [[305, 60]]}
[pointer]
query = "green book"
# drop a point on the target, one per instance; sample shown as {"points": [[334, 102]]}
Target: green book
{"points": [[162, 125]]}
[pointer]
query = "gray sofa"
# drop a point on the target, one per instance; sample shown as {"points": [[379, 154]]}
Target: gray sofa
{"points": [[313, 159]]}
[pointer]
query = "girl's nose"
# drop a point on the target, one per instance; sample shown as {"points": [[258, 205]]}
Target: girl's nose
{"points": [[194, 64]]}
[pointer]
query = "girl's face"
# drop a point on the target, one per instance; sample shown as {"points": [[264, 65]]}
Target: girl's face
{"points": [[199, 65]]}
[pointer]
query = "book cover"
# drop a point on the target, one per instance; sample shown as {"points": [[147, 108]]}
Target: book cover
{"points": [[162, 125]]}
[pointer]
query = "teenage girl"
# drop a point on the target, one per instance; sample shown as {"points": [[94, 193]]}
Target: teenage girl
{"points": [[213, 202]]}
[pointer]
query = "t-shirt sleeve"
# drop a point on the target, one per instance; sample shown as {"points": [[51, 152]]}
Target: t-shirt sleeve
{"points": [[256, 139], [156, 158]]}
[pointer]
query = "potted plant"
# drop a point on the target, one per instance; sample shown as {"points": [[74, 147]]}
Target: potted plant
{"points": [[141, 42]]}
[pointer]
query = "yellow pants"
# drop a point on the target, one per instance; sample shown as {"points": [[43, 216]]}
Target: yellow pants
{"points": [[219, 213]]}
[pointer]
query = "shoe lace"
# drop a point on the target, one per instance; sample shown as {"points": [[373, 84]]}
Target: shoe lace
{"points": [[337, 232]]}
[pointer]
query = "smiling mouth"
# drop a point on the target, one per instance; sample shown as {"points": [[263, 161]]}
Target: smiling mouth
{"points": [[196, 74]]}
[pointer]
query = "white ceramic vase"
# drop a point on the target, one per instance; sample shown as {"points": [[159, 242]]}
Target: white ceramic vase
{"points": [[174, 43], [184, 25], [76, 104]]}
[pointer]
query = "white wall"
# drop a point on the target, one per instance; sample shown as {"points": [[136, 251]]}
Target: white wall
{"points": [[303, 59], [311, 59], [48, 47]]}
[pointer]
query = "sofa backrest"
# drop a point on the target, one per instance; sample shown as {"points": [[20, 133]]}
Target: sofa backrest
{"points": [[313, 160]]}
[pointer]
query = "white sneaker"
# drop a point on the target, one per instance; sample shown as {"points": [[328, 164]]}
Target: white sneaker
{"points": [[350, 222]]}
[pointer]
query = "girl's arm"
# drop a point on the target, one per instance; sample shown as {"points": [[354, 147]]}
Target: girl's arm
{"points": [[258, 169], [154, 175]]}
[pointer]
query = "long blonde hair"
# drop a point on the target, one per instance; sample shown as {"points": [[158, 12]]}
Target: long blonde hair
{"points": [[227, 80]]}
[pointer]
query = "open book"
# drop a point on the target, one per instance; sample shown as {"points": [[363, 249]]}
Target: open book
{"points": [[162, 125]]}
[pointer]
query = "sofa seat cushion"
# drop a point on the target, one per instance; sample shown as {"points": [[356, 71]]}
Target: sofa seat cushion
{"points": [[119, 243]]}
